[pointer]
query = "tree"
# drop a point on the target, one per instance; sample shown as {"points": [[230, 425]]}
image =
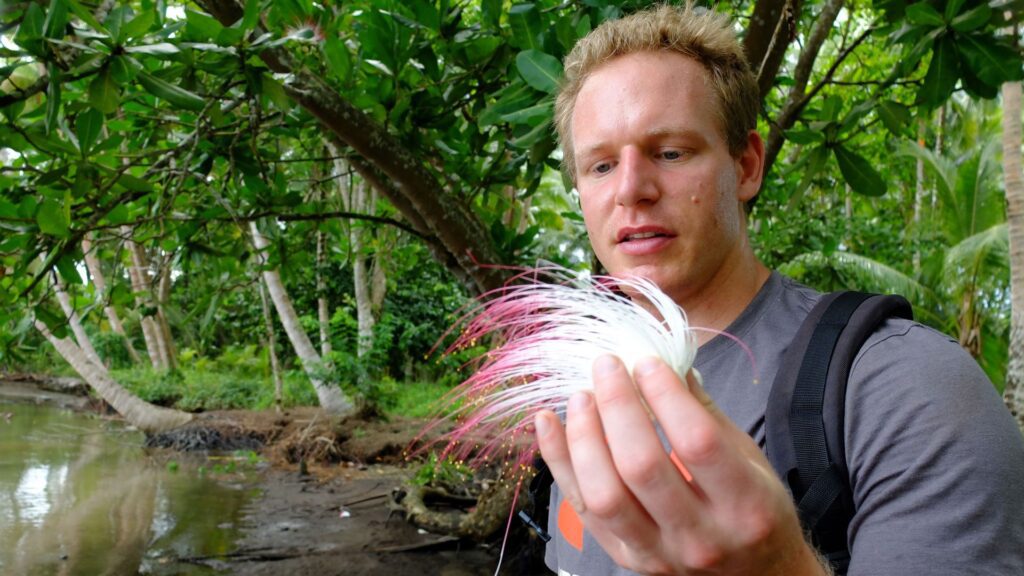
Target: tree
{"points": [[331, 397], [1013, 180]]}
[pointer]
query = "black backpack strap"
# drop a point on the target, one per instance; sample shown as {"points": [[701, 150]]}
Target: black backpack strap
{"points": [[535, 511], [805, 415]]}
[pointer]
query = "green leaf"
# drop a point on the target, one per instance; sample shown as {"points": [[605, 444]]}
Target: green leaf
{"points": [[942, 75], [491, 12], [68, 270], [120, 72], [524, 19], [103, 93], [894, 115], [51, 176], [275, 91], [158, 49], [116, 20], [87, 127], [30, 31], [972, 19], [53, 90], [171, 93], [513, 97], [858, 173], [338, 60], [140, 25], [804, 136], [541, 71], [129, 182], [56, 20], [815, 161], [991, 61], [51, 219], [531, 114], [118, 214], [201, 26], [539, 132], [251, 16], [922, 13], [85, 15], [975, 87], [831, 107], [952, 9], [55, 323]]}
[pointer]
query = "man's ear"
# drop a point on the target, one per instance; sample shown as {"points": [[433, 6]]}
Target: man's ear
{"points": [[751, 167]]}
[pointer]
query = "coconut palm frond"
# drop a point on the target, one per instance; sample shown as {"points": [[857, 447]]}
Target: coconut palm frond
{"points": [[943, 168], [978, 200], [992, 245], [873, 275]]}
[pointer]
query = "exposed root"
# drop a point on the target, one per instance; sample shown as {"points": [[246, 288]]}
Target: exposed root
{"points": [[479, 519]]}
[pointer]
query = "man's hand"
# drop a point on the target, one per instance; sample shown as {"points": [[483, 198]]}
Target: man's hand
{"points": [[726, 513]]}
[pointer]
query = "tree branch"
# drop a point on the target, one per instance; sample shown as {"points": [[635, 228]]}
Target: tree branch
{"points": [[459, 230]]}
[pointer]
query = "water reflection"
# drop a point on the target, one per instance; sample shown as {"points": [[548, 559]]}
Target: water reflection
{"points": [[79, 496]]}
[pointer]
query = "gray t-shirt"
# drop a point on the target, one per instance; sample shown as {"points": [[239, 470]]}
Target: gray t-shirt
{"points": [[936, 462]]}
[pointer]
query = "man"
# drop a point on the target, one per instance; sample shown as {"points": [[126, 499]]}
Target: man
{"points": [[657, 119]]}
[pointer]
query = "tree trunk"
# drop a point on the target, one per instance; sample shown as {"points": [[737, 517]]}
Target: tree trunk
{"points": [[275, 366], [773, 25], [796, 99], [331, 397], [919, 198], [1013, 392], [76, 324], [139, 276], [361, 272], [322, 310], [163, 295], [92, 263], [143, 415]]}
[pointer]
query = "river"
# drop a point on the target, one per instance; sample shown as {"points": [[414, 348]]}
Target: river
{"points": [[79, 495]]}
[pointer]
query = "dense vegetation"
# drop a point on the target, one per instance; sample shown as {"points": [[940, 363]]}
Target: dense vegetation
{"points": [[191, 186]]}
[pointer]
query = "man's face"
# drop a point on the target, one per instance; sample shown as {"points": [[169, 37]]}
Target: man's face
{"points": [[661, 195]]}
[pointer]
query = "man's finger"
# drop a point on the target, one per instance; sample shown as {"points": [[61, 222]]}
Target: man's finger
{"points": [[703, 440], [609, 503], [639, 455], [555, 451]]}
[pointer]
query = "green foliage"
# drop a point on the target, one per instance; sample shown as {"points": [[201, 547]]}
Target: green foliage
{"points": [[237, 379], [163, 125], [419, 399], [447, 473]]}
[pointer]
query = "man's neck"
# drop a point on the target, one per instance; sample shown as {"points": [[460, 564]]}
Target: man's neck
{"points": [[723, 299]]}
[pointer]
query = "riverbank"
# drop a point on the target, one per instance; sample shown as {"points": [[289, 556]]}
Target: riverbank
{"points": [[323, 494]]}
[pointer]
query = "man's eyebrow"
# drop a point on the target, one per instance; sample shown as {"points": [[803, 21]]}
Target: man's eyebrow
{"points": [[673, 131], [652, 134]]}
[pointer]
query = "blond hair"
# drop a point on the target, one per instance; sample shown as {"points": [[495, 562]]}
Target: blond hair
{"points": [[701, 34]]}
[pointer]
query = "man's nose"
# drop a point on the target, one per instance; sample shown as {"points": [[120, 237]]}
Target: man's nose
{"points": [[635, 182]]}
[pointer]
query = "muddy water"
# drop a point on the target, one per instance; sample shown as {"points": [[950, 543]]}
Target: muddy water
{"points": [[80, 496]]}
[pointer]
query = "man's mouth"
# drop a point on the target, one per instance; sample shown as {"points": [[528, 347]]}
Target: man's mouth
{"points": [[641, 236], [628, 235]]}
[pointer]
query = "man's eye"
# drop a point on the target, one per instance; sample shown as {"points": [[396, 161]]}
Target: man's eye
{"points": [[672, 155], [602, 168]]}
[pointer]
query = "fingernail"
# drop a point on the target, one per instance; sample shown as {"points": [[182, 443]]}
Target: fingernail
{"points": [[579, 401], [605, 364], [542, 425], [646, 365]]}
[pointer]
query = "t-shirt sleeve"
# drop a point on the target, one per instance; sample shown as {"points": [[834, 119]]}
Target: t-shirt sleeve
{"points": [[936, 461]]}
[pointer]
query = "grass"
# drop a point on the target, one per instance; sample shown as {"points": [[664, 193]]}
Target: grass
{"points": [[418, 399]]}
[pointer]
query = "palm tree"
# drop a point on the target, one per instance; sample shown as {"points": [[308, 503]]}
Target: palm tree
{"points": [[961, 287], [1013, 393]]}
